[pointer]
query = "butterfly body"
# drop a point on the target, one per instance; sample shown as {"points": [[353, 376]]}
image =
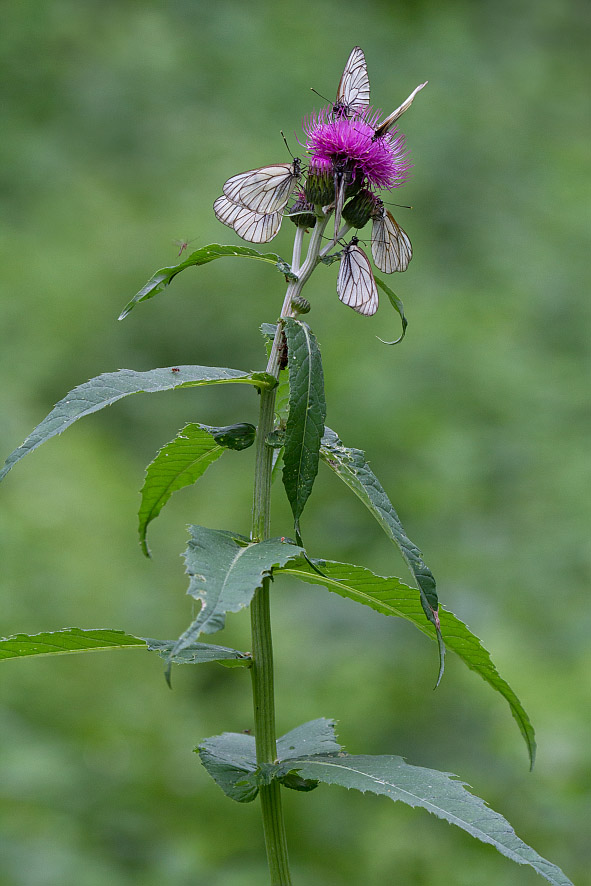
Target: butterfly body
{"points": [[356, 286], [390, 245], [391, 119], [353, 92]]}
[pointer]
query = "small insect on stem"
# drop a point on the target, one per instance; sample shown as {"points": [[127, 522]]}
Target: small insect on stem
{"points": [[283, 352], [175, 369]]}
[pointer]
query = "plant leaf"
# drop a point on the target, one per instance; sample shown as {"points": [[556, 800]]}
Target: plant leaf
{"points": [[225, 570], [314, 737], [181, 462], [230, 758], [391, 597], [397, 305], [437, 792], [305, 422], [69, 640], [352, 467], [112, 386], [160, 280], [231, 761], [200, 653]]}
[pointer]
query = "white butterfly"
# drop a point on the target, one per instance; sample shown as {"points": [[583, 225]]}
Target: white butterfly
{"points": [[353, 92], [256, 227], [390, 245], [265, 190], [391, 119], [356, 286]]}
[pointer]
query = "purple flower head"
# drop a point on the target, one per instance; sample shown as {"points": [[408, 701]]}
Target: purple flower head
{"points": [[340, 142]]}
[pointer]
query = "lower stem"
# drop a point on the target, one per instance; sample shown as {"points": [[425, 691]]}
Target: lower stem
{"points": [[262, 657]]}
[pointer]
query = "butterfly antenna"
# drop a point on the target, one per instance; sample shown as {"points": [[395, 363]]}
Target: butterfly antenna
{"points": [[323, 97], [286, 145], [400, 205]]}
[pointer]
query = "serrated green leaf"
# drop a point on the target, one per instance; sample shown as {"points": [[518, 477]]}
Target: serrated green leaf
{"points": [[178, 464], [438, 792], [200, 653], [65, 642], [225, 570], [390, 596], [397, 305], [231, 761], [161, 279], [352, 467], [112, 386], [307, 411]]}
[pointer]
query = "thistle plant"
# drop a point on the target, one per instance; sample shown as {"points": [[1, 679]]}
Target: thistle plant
{"points": [[352, 158]]}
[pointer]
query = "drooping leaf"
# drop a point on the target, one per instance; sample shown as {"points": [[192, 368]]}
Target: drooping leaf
{"points": [[160, 280], [225, 570], [112, 386], [390, 596], [230, 758], [231, 761], [307, 411], [437, 792], [397, 305], [181, 462], [69, 640], [200, 653], [352, 467]]}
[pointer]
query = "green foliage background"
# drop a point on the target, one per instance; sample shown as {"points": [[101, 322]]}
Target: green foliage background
{"points": [[120, 121]]}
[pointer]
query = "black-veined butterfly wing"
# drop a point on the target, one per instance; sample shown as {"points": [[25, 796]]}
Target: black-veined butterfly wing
{"points": [[353, 92], [266, 189], [391, 119], [356, 286], [256, 227], [390, 245]]}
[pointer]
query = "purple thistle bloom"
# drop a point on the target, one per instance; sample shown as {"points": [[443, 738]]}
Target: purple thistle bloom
{"points": [[339, 142]]}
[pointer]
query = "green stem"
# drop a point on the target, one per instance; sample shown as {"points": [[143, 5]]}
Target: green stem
{"points": [[260, 613], [262, 655]]}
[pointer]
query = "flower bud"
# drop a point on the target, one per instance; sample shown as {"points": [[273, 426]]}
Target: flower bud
{"points": [[358, 211], [302, 213], [301, 304], [319, 189]]}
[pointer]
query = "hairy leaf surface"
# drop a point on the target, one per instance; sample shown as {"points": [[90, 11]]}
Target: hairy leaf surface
{"points": [[390, 596], [160, 280], [225, 570], [305, 422], [112, 386]]}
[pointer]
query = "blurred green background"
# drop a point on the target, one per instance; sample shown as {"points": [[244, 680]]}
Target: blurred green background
{"points": [[120, 121]]}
